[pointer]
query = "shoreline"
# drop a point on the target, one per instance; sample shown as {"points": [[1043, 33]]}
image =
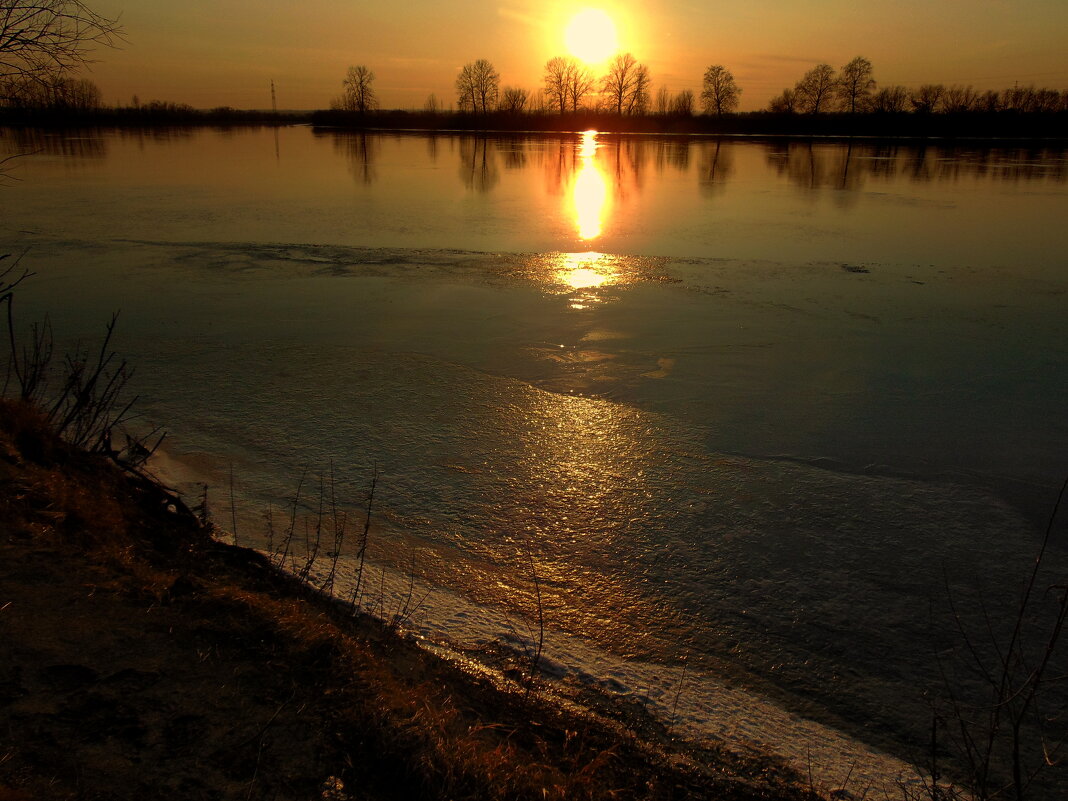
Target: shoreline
{"points": [[964, 129], [148, 659], [693, 706]]}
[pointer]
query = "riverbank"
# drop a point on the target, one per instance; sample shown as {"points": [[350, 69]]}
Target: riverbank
{"points": [[966, 127], [144, 659]]}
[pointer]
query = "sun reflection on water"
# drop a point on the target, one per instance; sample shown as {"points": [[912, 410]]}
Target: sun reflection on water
{"points": [[589, 193]]}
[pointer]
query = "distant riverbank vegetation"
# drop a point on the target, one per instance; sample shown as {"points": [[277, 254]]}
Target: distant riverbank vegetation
{"points": [[823, 102]]}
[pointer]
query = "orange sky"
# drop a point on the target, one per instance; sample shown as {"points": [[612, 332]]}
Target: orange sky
{"points": [[225, 52]]}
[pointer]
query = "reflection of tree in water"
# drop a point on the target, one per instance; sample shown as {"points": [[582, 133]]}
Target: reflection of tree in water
{"points": [[846, 167], [432, 147], [478, 163], [514, 150], [717, 165], [625, 164], [673, 152], [157, 134], [360, 149], [561, 161], [78, 144]]}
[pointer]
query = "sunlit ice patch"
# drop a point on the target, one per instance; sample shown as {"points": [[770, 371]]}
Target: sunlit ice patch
{"points": [[585, 276]]}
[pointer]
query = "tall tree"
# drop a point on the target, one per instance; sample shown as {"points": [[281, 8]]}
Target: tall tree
{"points": [[815, 90], [567, 83], [478, 86], [359, 95], [50, 38], [855, 84], [557, 78], [719, 92], [580, 84], [626, 85], [640, 97]]}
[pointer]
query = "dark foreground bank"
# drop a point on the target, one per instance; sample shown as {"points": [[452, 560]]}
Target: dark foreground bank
{"points": [[143, 659]]}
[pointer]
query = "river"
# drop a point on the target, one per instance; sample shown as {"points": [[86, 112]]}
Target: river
{"points": [[756, 407]]}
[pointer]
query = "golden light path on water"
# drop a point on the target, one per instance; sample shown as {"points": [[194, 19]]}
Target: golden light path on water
{"points": [[589, 193], [590, 207]]}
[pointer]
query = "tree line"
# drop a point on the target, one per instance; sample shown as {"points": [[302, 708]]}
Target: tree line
{"points": [[568, 86], [625, 89], [853, 90]]}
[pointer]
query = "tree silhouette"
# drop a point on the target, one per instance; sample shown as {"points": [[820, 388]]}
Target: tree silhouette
{"points": [[784, 103], [49, 38], [663, 100], [890, 100], [855, 84], [556, 79], [626, 85], [719, 93], [928, 98], [514, 100], [815, 90], [359, 95], [567, 83], [683, 103], [477, 87], [51, 92], [958, 99]]}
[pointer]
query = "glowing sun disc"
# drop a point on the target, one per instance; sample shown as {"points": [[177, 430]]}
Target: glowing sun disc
{"points": [[591, 36]]}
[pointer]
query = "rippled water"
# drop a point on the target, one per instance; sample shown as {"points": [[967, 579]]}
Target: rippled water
{"points": [[754, 405]]}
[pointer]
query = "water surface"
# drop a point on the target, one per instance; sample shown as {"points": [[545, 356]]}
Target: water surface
{"points": [[755, 404]]}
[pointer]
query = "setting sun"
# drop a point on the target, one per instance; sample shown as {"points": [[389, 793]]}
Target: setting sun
{"points": [[591, 36]]}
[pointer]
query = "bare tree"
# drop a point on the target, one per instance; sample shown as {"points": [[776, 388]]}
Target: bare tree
{"points": [[890, 100], [580, 85], [958, 99], [815, 90], [682, 105], [42, 38], [359, 95], [784, 103], [626, 86], [719, 93], [663, 100], [928, 98], [1028, 99], [432, 106], [989, 101], [640, 98], [478, 86], [52, 92], [557, 78], [567, 83], [513, 100], [855, 84]]}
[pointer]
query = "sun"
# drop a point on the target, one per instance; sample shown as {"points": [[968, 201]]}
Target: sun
{"points": [[591, 36]]}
